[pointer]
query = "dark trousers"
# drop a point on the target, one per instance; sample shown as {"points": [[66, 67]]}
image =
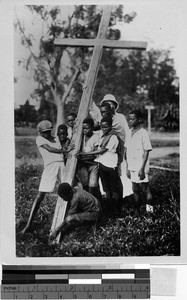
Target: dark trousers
{"points": [[112, 184]]}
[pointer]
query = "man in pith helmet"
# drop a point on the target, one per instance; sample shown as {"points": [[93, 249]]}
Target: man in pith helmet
{"points": [[119, 124], [121, 127]]}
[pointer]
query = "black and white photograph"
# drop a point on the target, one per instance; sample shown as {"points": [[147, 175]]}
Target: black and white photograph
{"points": [[97, 130]]}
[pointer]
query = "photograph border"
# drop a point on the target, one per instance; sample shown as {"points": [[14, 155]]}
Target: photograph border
{"points": [[8, 253]]}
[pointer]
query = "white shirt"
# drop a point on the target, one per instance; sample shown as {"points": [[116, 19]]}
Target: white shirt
{"points": [[70, 132], [91, 144], [136, 146], [109, 158], [120, 126], [95, 112], [47, 156], [119, 123]]}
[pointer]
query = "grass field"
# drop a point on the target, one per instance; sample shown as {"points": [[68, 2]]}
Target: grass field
{"points": [[115, 235]]}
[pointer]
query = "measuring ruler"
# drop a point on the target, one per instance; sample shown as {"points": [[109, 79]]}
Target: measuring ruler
{"points": [[31, 282]]}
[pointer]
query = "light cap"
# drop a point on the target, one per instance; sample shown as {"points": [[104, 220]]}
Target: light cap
{"points": [[44, 125]]}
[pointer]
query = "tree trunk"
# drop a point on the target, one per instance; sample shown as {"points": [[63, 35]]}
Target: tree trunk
{"points": [[60, 111], [60, 100]]}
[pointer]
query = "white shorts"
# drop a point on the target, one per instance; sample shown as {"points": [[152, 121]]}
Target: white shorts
{"points": [[127, 184], [50, 175], [135, 178]]}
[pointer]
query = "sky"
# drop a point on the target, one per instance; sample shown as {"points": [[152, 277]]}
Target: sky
{"points": [[157, 22]]}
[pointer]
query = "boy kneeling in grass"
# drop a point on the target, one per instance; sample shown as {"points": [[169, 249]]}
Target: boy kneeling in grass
{"points": [[138, 146], [83, 208]]}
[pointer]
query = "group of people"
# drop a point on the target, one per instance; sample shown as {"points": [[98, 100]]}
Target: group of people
{"points": [[113, 161]]}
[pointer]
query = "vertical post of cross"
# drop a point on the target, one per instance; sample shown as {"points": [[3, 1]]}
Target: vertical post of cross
{"points": [[86, 99]]}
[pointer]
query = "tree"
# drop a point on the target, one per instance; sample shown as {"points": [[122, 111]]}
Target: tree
{"points": [[138, 78], [56, 82], [162, 77], [25, 114]]}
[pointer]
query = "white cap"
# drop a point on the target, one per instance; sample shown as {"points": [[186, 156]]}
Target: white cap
{"points": [[110, 97], [44, 125]]}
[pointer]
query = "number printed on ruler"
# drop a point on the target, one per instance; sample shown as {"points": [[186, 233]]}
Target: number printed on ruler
{"points": [[53, 291], [58, 283]]}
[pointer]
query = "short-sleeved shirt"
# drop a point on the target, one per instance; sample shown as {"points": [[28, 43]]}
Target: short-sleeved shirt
{"points": [[70, 132], [83, 201], [110, 157], [119, 123], [47, 156], [120, 126], [91, 144], [136, 146]]}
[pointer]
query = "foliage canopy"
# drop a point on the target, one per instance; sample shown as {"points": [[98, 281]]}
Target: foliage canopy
{"points": [[135, 78]]}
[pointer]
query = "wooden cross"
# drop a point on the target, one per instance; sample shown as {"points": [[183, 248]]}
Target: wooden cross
{"points": [[99, 43]]}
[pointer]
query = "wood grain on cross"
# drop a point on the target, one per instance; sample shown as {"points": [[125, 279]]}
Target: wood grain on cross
{"points": [[99, 43]]}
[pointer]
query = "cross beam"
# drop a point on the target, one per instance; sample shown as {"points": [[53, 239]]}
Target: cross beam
{"points": [[102, 42], [86, 99]]}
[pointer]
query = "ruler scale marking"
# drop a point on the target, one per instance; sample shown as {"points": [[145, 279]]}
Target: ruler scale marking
{"points": [[49, 283]]}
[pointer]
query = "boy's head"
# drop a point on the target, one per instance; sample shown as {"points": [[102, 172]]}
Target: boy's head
{"points": [[88, 125], [135, 118], [62, 132], [105, 109], [44, 128], [65, 191], [106, 124], [71, 119]]}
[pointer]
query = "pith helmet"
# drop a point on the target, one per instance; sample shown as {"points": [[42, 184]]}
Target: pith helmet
{"points": [[110, 97], [44, 125]]}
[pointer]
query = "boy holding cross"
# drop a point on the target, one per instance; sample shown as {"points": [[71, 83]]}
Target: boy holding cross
{"points": [[87, 168], [53, 158], [71, 118], [107, 158]]}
